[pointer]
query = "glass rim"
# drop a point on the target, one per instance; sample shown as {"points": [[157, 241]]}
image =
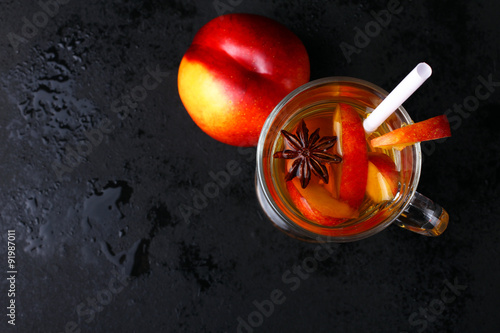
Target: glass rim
{"points": [[264, 134]]}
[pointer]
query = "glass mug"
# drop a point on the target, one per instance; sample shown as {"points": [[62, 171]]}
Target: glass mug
{"points": [[409, 209]]}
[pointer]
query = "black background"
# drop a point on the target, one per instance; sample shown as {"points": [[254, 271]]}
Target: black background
{"points": [[114, 216]]}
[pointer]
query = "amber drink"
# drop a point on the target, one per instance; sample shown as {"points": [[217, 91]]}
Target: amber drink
{"points": [[318, 177]]}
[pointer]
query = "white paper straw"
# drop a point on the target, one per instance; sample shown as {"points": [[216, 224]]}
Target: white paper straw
{"points": [[398, 96]]}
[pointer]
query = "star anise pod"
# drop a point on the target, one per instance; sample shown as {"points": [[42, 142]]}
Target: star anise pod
{"points": [[309, 154]]}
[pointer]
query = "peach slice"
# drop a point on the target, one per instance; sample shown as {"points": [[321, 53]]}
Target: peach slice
{"points": [[317, 204], [383, 178], [430, 129], [351, 173]]}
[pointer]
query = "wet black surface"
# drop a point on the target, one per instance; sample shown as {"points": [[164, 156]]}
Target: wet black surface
{"points": [[92, 182]]}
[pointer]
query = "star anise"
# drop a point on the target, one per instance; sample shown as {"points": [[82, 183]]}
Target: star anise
{"points": [[309, 154]]}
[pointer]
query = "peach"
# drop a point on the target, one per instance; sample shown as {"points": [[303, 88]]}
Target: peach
{"points": [[351, 174], [383, 178], [237, 69], [317, 204], [430, 129]]}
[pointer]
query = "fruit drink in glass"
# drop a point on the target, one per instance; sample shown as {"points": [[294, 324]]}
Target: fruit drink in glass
{"points": [[318, 177]]}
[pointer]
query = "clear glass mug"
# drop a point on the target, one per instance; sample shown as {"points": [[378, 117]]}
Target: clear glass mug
{"points": [[409, 209]]}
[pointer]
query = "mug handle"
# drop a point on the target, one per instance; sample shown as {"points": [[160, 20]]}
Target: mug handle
{"points": [[423, 216]]}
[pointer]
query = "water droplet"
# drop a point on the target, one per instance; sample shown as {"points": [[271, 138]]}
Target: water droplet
{"points": [[104, 205], [122, 232]]}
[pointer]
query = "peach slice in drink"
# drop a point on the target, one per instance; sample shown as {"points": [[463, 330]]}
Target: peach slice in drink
{"points": [[351, 173], [383, 178], [430, 129], [317, 204]]}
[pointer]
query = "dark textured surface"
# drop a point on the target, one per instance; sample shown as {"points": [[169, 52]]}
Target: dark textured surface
{"points": [[103, 247]]}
